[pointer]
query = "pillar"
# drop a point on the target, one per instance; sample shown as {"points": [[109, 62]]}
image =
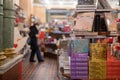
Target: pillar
{"points": [[48, 14], [1, 25], [8, 23]]}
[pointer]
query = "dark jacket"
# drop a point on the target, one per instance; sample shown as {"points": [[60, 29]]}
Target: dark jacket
{"points": [[32, 34]]}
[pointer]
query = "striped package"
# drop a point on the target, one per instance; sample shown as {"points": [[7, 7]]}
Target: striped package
{"points": [[113, 70], [79, 66]]}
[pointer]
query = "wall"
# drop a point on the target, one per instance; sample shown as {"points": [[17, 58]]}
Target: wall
{"points": [[37, 10], [28, 8], [40, 12]]}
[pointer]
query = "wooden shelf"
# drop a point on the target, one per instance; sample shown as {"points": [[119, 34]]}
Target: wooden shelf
{"points": [[59, 35], [86, 33]]}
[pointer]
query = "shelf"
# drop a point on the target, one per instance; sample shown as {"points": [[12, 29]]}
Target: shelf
{"points": [[114, 35], [50, 43], [59, 35], [18, 6], [87, 10], [60, 32], [86, 7], [86, 33], [103, 33], [95, 37]]}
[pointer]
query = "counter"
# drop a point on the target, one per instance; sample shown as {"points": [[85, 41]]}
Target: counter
{"points": [[11, 68]]}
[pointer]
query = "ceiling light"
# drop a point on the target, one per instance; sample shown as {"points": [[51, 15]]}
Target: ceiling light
{"points": [[47, 2], [61, 3]]}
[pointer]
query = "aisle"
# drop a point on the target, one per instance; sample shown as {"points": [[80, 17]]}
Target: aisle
{"points": [[39, 71]]}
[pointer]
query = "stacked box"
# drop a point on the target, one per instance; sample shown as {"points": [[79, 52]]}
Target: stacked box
{"points": [[98, 51], [113, 67], [79, 66], [79, 46], [97, 70], [113, 70], [110, 57]]}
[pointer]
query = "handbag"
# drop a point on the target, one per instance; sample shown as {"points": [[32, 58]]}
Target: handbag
{"points": [[29, 41]]}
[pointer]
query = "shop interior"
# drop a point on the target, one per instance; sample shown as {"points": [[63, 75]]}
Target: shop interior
{"points": [[77, 39]]}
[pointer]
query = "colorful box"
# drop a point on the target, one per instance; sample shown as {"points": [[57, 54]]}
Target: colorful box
{"points": [[98, 51], [113, 70], [97, 70], [79, 66], [79, 46]]}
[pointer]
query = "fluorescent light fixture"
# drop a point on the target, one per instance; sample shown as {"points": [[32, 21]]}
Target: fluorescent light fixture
{"points": [[61, 3], [47, 2], [117, 3]]}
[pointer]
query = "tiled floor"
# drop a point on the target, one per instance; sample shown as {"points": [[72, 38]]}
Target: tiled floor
{"points": [[46, 70]]}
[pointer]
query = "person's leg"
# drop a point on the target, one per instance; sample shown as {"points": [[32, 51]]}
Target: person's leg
{"points": [[32, 56], [39, 57]]}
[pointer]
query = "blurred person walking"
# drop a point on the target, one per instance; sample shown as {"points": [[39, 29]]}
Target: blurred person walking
{"points": [[34, 35]]}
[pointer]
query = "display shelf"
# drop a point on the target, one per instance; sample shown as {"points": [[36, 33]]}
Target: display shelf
{"points": [[18, 39], [19, 11], [95, 37], [86, 6], [50, 50], [63, 66], [113, 34], [97, 34], [53, 46], [50, 43], [59, 35], [86, 33], [94, 23], [84, 10]]}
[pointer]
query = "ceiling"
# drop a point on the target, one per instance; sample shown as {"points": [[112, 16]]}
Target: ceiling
{"points": [[114, 3], [57, 3], [67, 3]]}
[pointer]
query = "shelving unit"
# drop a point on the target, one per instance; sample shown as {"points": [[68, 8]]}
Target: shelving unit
{"points": [[52, 47]]}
